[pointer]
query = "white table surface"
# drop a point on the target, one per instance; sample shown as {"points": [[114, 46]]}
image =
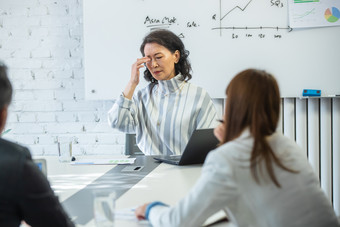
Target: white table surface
{"points": [[66, 179], [166, 183]]}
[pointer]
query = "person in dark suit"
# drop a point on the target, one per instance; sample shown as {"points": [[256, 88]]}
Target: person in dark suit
{"points": [[25, 193]]}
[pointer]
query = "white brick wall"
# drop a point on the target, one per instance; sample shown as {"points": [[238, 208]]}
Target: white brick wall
{"points": [[41, 41]]}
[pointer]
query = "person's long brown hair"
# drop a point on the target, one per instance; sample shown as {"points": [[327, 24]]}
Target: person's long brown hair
{"points": [[253, 100]]}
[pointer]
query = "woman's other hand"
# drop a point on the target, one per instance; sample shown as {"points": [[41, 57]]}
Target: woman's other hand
{"points": [[219, 132]]}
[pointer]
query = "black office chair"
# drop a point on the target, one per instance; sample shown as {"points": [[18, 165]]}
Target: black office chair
{"points": [[131, 147]]}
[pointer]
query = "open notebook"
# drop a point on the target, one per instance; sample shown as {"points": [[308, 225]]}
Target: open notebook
{"points": [[200, 143]]}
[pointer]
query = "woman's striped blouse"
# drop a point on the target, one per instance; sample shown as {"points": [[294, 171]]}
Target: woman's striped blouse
{"points": [[164, 115]]}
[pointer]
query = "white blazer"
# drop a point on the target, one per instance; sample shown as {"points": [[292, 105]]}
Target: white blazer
{"points": [[226, 183]]}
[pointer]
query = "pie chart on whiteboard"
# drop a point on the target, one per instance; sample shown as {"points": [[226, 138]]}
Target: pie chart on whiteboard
{"points": [[332, 15]]}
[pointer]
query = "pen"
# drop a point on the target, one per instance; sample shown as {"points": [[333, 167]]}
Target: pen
{"points": [[83, 163], [221, 121]]}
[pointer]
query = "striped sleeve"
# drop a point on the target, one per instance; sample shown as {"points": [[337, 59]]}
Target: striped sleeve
{"points": [[207, 116], [123, 115]]}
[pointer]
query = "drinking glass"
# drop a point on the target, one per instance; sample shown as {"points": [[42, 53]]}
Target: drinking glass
{"points": [[65, 149], [104, 208]]}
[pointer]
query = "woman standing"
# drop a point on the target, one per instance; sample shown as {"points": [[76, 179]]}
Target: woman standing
{"points": [[166, 112]]}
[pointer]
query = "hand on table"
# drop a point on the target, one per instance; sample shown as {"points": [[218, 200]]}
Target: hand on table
{"points": [[140, 211]]}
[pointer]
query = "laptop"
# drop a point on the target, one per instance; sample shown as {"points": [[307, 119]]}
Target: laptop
{"points": [[200, 143], [41, 163]]}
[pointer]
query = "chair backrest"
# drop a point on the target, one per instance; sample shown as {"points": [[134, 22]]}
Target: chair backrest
{"points": [[131, 147]]}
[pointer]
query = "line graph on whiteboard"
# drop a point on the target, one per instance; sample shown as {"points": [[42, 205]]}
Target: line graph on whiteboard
{"points": [[250, 15]]}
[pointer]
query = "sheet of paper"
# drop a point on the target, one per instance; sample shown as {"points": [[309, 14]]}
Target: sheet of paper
{"points": [[114, 161], [128, 214]]}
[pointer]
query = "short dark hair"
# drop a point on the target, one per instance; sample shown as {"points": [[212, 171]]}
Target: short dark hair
{"points": [[5, 87], [172, 42]]}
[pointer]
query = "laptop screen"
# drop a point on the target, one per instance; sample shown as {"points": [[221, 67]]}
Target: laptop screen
{"points": [[200, 143], [41, 163]]}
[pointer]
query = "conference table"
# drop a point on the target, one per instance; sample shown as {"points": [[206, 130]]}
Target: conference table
{"points": [[145, 180]]}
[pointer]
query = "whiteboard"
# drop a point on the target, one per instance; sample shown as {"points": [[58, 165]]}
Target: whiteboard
{"points": [[224, 37]]}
